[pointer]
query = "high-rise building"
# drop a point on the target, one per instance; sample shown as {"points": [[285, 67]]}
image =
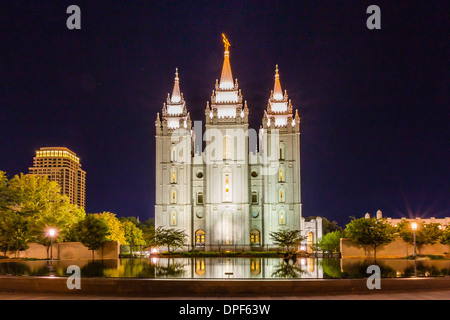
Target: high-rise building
{"points": [[232, 192], [62, 165]]}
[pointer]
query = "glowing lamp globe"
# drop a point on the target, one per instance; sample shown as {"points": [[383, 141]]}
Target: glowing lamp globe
{"points": [[52, 233]]}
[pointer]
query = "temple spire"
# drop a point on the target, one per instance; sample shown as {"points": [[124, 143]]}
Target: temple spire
{"points": [[277, 92], [226, 79], [176, 95]]}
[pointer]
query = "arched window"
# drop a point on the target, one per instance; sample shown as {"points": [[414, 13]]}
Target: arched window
{"points": [[254, 197], [282, 152], [173, 218], [227, 188], [200, 198], [281, 174], [227, 148], [173, 154], [282, 217], [282, 195], [255, 237], [173, 196], [173, 176], [200, 238]]}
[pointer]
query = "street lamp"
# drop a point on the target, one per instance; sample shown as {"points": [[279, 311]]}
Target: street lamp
{"points": [[52, 234], [414, 227]]}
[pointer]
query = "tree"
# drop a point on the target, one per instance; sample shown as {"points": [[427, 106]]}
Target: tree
{"points": [[426, 233], [20, 241], [13, 232], [150, 222], [24, 201], [133, 220], [32, 195], [286, 238], [133, 234], [7, 226], [331, 242], [62, 216], [4, 192], [39, 201], [116, 232], [445, 236], [93, 232], [148, 234], [371, 231], [170, 237]]}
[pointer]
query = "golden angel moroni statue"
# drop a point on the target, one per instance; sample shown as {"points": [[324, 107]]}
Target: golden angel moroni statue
{"points": [[225, 42]]}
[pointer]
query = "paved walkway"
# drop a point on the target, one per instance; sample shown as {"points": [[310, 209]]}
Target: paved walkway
{"points": [[425, 295]]}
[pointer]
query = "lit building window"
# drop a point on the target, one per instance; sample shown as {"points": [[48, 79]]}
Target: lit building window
{"points": [[281, 175], [227, 195], [173, 175], [282, 195], [200, 238], [254, 237], [173, 218], [173, 196], [282, 217]]}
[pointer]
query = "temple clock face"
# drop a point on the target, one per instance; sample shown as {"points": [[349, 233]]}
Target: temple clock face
{"points": [[255, 214], [199, 214]]}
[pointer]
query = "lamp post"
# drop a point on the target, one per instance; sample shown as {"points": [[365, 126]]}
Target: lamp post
{"points": [[414, 228], [51, 233]]}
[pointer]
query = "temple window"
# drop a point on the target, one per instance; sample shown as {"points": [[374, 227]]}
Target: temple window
{"points": [[254, 197], [173, 196], [200, 198], [282, 195]]}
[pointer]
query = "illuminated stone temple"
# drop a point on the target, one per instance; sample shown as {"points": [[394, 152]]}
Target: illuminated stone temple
{"points": [[231, 186]]}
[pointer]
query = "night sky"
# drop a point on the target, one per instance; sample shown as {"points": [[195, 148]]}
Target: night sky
{"points": [[374, 104]]}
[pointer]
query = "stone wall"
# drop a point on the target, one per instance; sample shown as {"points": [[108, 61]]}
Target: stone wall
{"points": [[396, 249], [69, 251]]}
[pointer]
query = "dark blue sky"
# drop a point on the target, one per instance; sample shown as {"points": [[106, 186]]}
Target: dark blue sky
{"points": [[374, 104]]}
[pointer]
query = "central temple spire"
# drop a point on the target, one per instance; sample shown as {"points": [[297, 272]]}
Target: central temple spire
{"points": [[226, 79], [277, 92], [176, 94]]}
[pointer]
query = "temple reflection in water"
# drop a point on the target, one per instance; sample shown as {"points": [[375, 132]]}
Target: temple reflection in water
{"points": [[241, 268], [230, 268]]}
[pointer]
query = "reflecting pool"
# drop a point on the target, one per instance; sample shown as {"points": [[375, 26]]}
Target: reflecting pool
{"points": [[230, 268]]}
